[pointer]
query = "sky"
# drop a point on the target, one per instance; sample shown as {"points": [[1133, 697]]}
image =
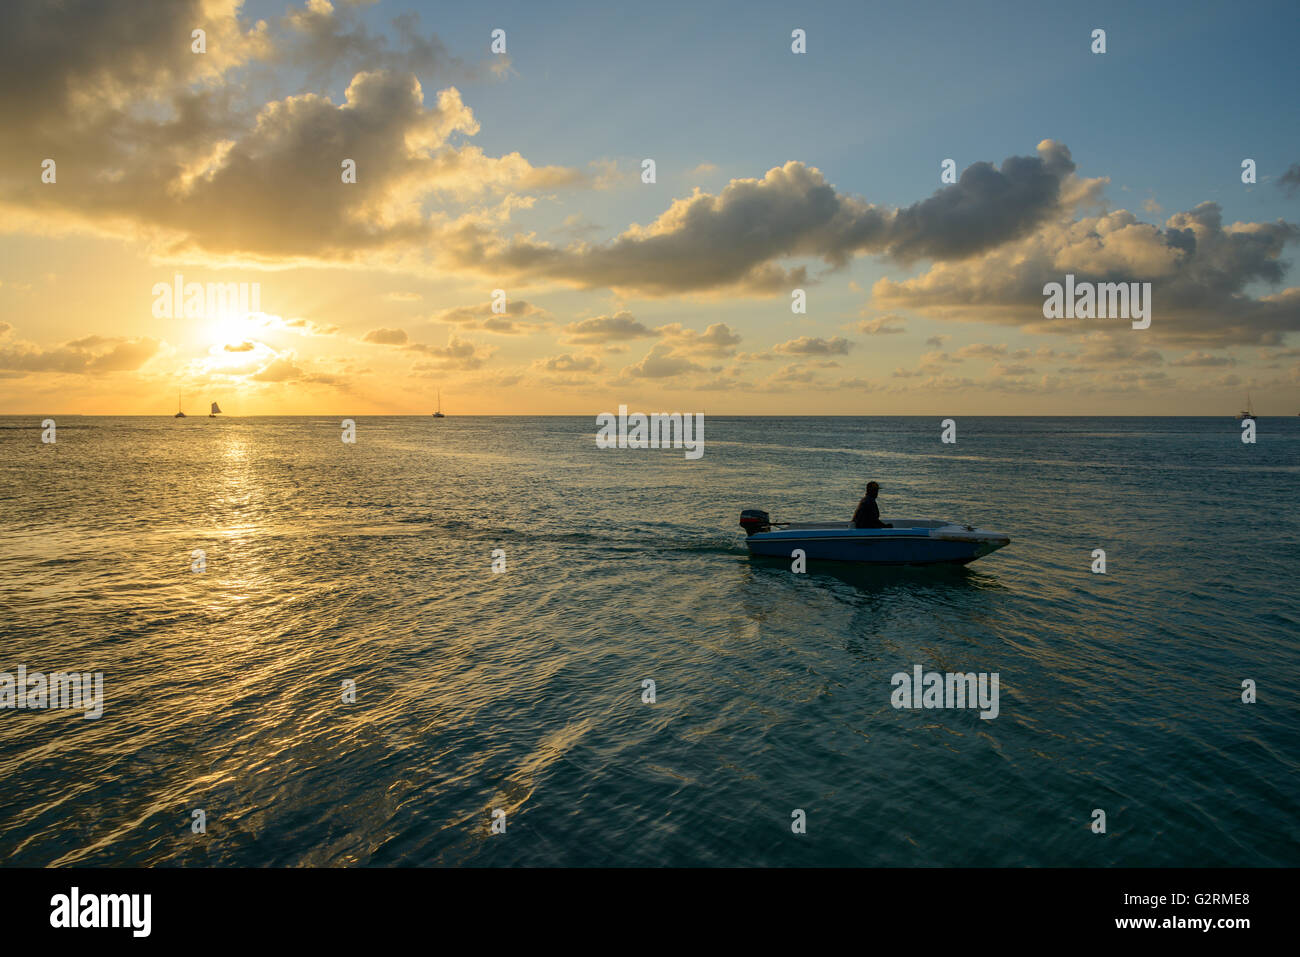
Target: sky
{"points": [[501, 243]]}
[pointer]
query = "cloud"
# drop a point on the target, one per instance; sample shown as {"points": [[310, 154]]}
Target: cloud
{"points": [[717, 340], [325, 42], [932, 360], [985, 207], [482, 317], [386, 337], [888, 324], [1198, 267], [568, 364], [244, 346], [814, 346], [1203, 360], [90, 355], [1004, 371], [576, 226], [619, 327], [735, 238], [156, 142], [1109, 349], [280, 369], [981, 350], [660, 363], [458, 353], [1290, 180], [68, 61], [304, 327]]}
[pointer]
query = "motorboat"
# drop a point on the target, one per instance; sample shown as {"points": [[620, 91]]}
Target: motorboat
{"points": [[908, 542]]}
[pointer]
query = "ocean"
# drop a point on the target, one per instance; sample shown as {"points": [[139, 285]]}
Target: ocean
{"points": [[519, 697]]}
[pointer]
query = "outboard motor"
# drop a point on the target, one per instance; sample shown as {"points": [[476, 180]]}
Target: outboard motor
{"points": [[755, 520]]}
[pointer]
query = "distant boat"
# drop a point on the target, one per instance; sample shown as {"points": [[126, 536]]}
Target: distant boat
{"points": [[438, 414], [179, 414], [1249, 412], [216, 410]]}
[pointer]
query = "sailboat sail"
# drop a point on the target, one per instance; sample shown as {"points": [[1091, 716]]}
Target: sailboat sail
{"points": [[215, 408]]}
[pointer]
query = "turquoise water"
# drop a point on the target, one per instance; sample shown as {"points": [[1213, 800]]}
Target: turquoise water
{"points": [[522, 691]]}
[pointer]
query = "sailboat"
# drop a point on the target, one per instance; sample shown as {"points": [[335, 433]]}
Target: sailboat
{"points": [[216, 410], [179, 414], [438, 414], [1249, 412]]}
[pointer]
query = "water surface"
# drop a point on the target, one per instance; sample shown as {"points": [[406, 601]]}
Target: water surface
{"points": [[522, 691]]}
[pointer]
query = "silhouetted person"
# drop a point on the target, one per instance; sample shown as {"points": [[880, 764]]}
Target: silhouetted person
{"points": [[868, 514]]}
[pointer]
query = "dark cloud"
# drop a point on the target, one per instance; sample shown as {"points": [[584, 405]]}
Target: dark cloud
{"points": [[150, 138], [1290, 180], [735, 238], [619, 327], [326, 41], [986, 207], [1199, 270]]}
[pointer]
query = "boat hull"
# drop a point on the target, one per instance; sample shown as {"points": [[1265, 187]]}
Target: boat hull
{"points": [[942, 545]]}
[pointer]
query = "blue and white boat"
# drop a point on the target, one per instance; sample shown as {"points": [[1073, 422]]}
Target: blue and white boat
{"points": [[908, 542]]}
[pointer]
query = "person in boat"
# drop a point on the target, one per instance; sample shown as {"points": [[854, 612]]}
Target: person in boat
{"points": [[868, 513]]}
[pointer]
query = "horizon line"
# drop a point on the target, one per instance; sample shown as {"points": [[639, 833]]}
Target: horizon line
{"points": [[574, 415]]}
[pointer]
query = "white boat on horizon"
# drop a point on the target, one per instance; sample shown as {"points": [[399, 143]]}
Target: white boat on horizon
{"points": [[908, 542]]}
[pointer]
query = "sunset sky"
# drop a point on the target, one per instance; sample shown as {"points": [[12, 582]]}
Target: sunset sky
{"points": [[521, 171]]}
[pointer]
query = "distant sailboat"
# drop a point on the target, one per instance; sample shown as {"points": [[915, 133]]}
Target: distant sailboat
{"points": [[1249, 412], [216, 410], [438, 414], [179, 414]]}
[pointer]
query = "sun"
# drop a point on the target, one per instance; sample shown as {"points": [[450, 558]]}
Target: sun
{"points": [[229, 328]]}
